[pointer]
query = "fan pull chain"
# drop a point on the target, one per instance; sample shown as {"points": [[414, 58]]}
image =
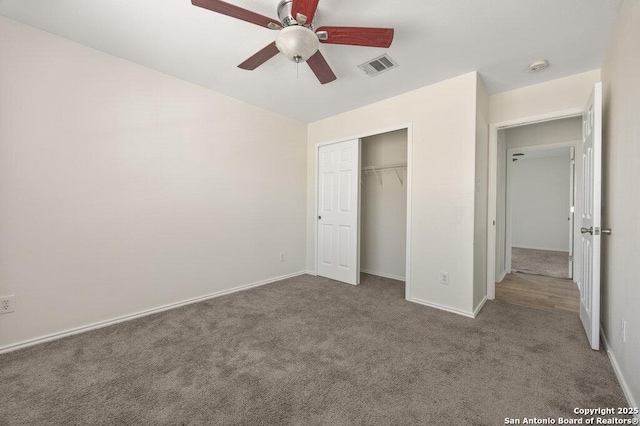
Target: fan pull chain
{"points": [[296, 61]]}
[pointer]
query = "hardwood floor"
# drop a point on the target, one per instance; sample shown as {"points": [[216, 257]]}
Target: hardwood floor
{"points": [[537, 291]]}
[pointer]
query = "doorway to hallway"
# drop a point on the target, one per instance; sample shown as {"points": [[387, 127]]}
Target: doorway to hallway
{"points": [[535, 227]]}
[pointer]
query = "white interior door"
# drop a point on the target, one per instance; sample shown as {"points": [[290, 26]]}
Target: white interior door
{"points": [[591, 225], [338, 211]]}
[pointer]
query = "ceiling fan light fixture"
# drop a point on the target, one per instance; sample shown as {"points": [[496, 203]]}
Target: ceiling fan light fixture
{"points": [[297, 43]]}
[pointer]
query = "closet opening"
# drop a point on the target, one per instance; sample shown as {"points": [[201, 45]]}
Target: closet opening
{"points": [[383, 206], [363, 207]]}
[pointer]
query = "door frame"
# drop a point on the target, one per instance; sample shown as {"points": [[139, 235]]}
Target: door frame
{"points": [[572, 183], [409, 129], [573, 188], [493, 182]]}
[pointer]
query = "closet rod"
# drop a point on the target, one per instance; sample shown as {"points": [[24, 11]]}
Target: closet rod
{"points": [[384, 167], [376, 169]]}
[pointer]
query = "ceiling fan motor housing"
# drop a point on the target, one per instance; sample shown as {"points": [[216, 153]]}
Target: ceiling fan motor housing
{"points": [[286, 17]]}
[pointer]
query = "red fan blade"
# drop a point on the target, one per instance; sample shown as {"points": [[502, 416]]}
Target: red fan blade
{"points": [[358, 36], [321, 68], [260, 58], [304, 7], [238, 12]]}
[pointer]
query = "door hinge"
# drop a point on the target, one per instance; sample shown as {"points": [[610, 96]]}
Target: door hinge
{"points": [[572, 209]]}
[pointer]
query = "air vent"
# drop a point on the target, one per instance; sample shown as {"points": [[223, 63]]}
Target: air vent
{"points": [[378, 65]]}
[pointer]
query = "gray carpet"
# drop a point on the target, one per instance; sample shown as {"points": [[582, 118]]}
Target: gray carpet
{"points": [[540, 262], [308, 350]]}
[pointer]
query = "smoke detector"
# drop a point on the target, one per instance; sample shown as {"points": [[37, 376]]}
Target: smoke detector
{"points": [[538, 66]]}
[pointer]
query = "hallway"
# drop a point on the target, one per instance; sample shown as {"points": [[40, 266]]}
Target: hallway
{"points": [[537, 291]]}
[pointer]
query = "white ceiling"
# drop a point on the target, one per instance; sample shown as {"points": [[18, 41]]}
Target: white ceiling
{"points": [[434, 40]]}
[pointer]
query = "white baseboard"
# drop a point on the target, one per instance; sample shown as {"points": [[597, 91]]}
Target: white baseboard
{"points": [[480, 305], [442, 307], [616, 368], [540, 248], [309, 272], [501, 276], [101, 324], [383, 275]]}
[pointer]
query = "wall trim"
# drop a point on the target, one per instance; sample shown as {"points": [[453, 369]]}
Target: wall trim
{"points": [[502, 275], [382, 274], [480, 305], [442, 307], [310, 272], [616, 369], [100, 324]]}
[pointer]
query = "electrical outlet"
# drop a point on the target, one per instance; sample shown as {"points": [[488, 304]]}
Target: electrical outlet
{"points": [[623, 330], [282, 257], [444, 278], [6, 304]]}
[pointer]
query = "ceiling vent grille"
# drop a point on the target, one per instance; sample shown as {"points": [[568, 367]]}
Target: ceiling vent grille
{"points": [[378, 65]]}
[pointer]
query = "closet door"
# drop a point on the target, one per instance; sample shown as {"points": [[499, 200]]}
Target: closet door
{"points": [[338, 216]]}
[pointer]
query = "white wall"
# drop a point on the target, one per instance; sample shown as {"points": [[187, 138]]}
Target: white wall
{"points": [[383, 223], [621, 197], [540, 200], [443, 118], [480, 202], [545, 133], [123, 189], [563, 94]]}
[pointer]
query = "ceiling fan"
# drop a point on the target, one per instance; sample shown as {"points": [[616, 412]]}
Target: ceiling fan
{"points": [[297, 39]]}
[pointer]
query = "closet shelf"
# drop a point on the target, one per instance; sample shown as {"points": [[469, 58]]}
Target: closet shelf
{"points": [[377, 170]]}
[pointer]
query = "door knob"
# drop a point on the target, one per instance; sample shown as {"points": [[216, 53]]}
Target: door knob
{"points": [[586, 230], [319, 217]]}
